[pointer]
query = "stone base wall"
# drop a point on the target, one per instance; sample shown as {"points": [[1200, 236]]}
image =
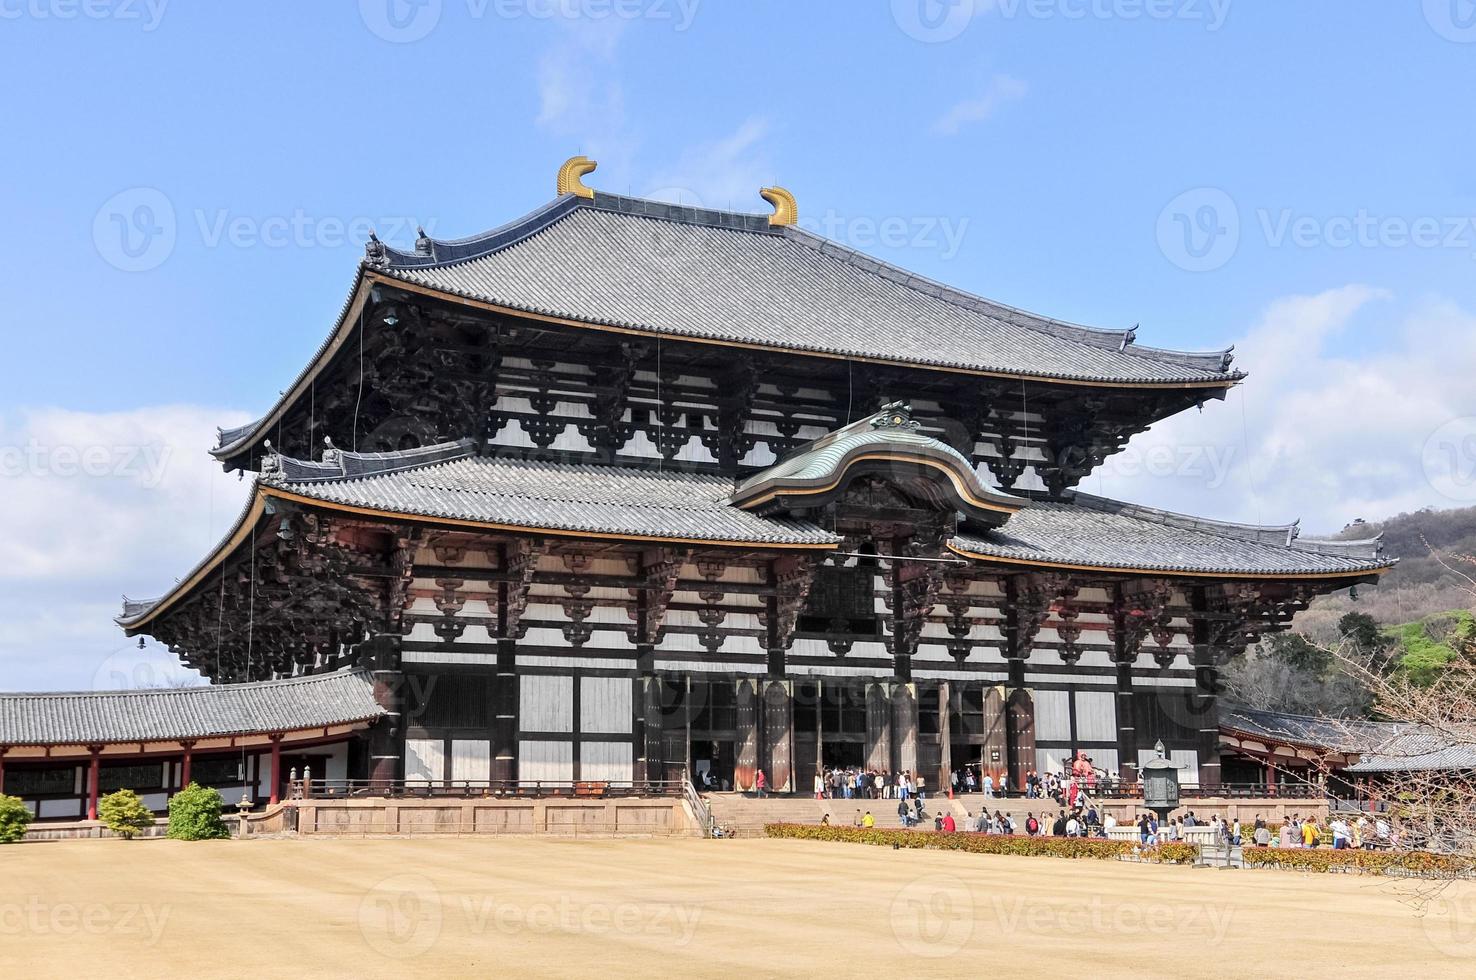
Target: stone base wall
{"points": [[655, 817]]}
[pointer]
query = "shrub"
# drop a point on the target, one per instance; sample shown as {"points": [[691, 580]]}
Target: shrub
{"points": [[1064, 847], [14, 819], [194, 814], [124, 813], [1421, 863]]}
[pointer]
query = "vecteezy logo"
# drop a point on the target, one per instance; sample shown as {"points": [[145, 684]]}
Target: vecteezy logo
{"points": [[1454, 20], [1450, 924], [1199, 230], [1449, 458], [135, 229], [933, 20], [401, 916], [933, 916], [400, 21]]}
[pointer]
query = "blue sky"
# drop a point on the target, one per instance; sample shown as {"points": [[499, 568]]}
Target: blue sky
{"points": [[1292, 177]]}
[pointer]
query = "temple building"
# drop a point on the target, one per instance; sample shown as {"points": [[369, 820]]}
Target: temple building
{"points": [[625, 489]]}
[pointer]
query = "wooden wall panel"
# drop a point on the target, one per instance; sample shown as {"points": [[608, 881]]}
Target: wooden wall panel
{"points": [[605, 705], [545, 703], [545, 760], [778, 742]]}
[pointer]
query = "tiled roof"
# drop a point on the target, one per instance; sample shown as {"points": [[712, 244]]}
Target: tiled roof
{"points": [[1380, 746], [718, 275], [729, 276], [1099, 533], [1408, 749], [541, 496], [168, 714], [1280, 727]]}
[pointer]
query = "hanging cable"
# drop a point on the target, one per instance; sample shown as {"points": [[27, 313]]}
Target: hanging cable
{"points": [[359, 399]]}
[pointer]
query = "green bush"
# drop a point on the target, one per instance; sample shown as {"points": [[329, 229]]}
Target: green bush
{"points": [[1065, 847], [124, 813], [14, 819], [1420, 863], [194, 814]]}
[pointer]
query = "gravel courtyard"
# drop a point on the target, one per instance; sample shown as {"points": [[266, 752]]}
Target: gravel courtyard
{"points": [[540, 907]]}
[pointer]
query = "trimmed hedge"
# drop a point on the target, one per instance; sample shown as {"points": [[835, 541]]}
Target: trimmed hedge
{"points": [[1422, 863], [1063, 847]]}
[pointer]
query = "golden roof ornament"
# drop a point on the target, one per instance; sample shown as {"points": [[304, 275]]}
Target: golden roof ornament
{"points": [[570, 173], [786, 211]]}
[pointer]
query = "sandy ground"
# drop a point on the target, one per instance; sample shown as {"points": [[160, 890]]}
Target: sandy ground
{"points": [[538, 907]]}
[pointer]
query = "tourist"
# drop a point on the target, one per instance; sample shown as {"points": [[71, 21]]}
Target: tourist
{"points": [[1058, 828], [825, 820], [1004, 784], [904, 813], [970, 783], [1341, 837], [922, 784], [949, 825], [1032, 825], [819, 786], [1144, 831], [1109, 823], [868, 821], [1309, 832], [856, 820], [1262, 833], [880, 785], [988, 786], [1235, 833], [760, 783]]}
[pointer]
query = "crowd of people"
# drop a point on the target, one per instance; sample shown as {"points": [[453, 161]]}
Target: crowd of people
{"points": [[858, 783]]}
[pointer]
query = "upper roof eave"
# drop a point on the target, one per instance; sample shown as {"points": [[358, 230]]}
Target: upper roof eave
{"points": [[396, 266]]}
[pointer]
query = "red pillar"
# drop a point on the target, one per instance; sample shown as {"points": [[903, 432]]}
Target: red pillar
{"points": [[1270, 777], [3, 749], [92, 782], [276, 766], [184, 771]]}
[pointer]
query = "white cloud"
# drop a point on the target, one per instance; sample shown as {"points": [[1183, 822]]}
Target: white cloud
{"points": [[1319, 431], [96, 505], [1001, 90], [580, 93], [723, 173]]}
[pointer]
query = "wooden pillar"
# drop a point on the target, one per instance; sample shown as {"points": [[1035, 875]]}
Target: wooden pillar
{"points": [[93, 777], [750, 721], [879, 727], [778, 735], [904, 730], [1127, 732], [1206, 696], [1020, 736], [184, 768], [387, 737], [3, 749], [276, 768], [945, 739]]}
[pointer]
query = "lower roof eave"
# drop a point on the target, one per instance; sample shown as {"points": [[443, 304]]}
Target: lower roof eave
{"points": [[1344, 577]]}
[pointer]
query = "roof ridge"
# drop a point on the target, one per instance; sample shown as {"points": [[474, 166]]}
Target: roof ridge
{"points": [[1248, 532]]}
